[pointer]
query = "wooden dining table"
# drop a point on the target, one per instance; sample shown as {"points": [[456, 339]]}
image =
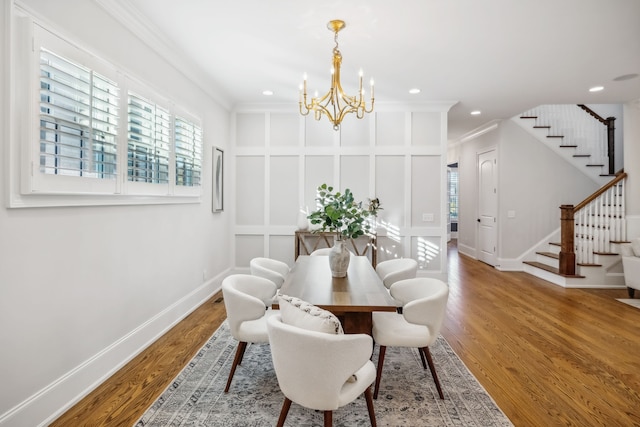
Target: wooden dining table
{"points": [[352, 299]]}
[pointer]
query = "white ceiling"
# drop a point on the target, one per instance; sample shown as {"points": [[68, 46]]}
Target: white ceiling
{"points": [[498, 56]]}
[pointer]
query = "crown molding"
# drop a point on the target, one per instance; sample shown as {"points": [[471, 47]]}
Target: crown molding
{"points": [[487, 127], [134, 21]]}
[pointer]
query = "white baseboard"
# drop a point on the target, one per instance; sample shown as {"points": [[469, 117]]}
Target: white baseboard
{"points": [[467, 250], [49, 403], [510, 264]]}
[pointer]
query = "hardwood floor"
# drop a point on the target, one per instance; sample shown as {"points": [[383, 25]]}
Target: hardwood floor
{"points": [[548, 356]]}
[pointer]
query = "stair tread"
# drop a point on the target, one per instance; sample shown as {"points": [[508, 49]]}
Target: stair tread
{"points": [[568, 146], [549, 254], [551, 269], [584, 264], [528, 117], [582, 155], [542, 127], [555, 136]]}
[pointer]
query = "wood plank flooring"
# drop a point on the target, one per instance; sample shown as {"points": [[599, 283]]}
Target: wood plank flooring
{"points": [[548, 356]]}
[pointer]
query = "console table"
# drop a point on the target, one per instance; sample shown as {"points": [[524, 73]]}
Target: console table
{"points": [[307, 242]]}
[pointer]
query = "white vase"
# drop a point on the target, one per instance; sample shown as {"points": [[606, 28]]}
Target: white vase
{"points": [[303, 221], [339, 258]]}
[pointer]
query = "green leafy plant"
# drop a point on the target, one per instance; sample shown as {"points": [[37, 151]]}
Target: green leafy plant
{"points": [[340, 213]]}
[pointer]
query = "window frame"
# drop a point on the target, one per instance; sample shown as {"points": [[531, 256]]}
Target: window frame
{"points": [[29, 187]]}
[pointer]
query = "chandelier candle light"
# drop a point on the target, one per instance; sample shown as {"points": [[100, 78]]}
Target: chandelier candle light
{"points": [[335, 104]]}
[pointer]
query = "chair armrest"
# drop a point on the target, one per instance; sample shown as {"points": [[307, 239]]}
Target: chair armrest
{"points": [[631, 268]]}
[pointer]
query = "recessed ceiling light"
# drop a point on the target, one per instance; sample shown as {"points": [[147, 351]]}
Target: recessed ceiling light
{"points": [[267, 92], [596, 89], [475, 112], [625, 77], [414, 91]]}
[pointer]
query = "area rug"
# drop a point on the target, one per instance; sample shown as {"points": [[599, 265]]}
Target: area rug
{"points": [[407, 397], [632, 302]]}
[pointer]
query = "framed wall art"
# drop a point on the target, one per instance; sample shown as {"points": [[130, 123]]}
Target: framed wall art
{"points": [[218, 181]]}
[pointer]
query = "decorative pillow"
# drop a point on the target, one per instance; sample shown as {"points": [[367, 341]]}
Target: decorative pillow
{"points": [[302, 314], [635, 245]]}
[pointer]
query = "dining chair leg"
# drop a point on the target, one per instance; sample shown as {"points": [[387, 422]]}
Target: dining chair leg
{"points": [[369, 399], [236, 361], [328, 418], [432, 368], [424, 362], [244, 349], [284, 411], [383, 350]]}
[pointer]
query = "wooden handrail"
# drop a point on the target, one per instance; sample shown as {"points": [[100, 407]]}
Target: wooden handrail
{"points": [[620, 176], [609, 122], [593, 114]]}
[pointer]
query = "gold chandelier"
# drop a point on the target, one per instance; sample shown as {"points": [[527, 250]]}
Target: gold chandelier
{"points": [[335, 104]]}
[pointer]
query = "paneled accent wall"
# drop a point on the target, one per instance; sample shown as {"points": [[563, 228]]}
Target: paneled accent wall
{"points": [[279, 159]]}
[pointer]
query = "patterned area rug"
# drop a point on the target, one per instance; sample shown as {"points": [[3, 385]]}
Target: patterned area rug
{"points": [[407, 397], [632, 302]]}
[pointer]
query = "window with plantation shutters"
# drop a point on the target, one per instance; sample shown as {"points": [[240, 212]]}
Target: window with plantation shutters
{"points": [[188, 143], [94, 135], [78, 120], [149, 141]]}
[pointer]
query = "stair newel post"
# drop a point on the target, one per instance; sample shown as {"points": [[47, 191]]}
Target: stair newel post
{"points": [[611, 132], [567, 256]]}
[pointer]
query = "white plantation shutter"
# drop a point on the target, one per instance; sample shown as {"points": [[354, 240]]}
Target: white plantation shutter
{"points": [[149, 141], [188, 145], [78, 120], [74, 149]]}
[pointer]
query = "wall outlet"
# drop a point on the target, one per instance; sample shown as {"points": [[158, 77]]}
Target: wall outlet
{"points": [[427, 217]]}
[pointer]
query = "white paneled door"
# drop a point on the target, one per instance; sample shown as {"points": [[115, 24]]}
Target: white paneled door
{"points": [[487, 207]]}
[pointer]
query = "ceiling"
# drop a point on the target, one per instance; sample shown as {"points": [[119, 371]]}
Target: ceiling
{"points": [[497, 56]]}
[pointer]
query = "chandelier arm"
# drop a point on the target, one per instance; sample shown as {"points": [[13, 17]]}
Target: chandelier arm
{"points": [[369, 110], [306, 110], [321, 109]]}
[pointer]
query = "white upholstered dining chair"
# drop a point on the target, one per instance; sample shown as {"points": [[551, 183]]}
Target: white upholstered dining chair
{"points": [[417, 326], [316, 367], [271, 269], [393, 270], [245, 299], [321, 252]]}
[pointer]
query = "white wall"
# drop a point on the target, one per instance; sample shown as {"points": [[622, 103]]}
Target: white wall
{"points": [[397, 155], [82, 289]]}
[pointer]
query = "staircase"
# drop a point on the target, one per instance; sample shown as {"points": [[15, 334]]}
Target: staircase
{"points": [[574, 134], [583, 253], [605, 271]]}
